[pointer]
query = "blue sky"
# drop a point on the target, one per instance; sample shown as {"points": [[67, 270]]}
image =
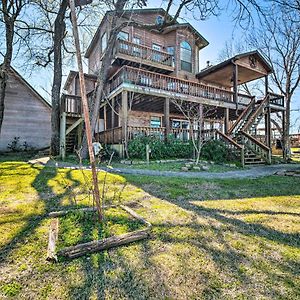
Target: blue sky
{"points": [[216, 29]]}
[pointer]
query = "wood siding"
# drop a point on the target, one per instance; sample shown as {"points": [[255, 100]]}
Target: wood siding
{"points": [[172, 38], [25, 116]]}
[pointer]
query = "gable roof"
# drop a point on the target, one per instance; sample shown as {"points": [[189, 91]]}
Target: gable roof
{"points": [[145, 11], [30, 87], [72, 74], [222, 73], [232, 60]]}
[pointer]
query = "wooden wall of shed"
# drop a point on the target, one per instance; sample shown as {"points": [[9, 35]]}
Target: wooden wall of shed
{"points": [[25, 116]]}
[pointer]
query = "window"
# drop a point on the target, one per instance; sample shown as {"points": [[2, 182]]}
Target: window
{"points": [[103, 42], [186, 56], [171, 51], [156, 56], [137, 51], [124, 36], [155, 122]]}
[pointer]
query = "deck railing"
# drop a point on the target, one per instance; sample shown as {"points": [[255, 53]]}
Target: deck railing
{"points": [[71, 104], [256, 146], [144, 53], [111, 136], [115, 135], [276, 99], [173, 85]]}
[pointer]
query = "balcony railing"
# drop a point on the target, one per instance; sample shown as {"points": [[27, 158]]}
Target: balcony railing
{"points": [[174, 85], [141, 53], [71, 104], [114, 135]]}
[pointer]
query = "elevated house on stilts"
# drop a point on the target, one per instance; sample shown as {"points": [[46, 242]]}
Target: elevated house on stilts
{"points": [[151, 68]]}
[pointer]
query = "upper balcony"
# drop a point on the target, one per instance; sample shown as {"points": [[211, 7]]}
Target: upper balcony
{"points": [[161, 85], [140, 55]]}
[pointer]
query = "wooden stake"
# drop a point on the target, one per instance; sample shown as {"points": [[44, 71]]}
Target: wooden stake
{"points": [[96, 193]]}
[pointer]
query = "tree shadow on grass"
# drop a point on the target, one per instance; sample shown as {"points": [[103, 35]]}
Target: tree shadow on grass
{"points": [[47, 196]]}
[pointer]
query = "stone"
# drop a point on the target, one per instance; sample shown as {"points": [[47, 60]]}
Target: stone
{"points": [[205, 168], [184, 169], [196, 168]]}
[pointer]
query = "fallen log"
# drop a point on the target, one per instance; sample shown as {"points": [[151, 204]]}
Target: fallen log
{"points": [[53, 236], [61, 213], [111, 242], [135, 215]]}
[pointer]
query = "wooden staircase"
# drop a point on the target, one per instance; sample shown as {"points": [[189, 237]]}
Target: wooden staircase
{"points": [[241, 134]]}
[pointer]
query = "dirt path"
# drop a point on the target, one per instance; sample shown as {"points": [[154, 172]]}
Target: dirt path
{"points": [[253, 172]]}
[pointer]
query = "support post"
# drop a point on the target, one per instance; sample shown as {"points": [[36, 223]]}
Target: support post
{"points": [[283, 146], [63, 120], [167, 117], [105, 117], [268, 127], [235, 85], [226, 120], [266, 85], [124, 119], [113, 113]]}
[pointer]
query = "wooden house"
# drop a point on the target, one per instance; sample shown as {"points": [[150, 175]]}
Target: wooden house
{"points": [[152, 68], [27, 116]]}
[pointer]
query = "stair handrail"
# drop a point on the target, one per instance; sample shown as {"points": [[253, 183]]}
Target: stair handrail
{"points": [[229, 139], [259, 144], [242, 115], [234, 143], [257, 111]]}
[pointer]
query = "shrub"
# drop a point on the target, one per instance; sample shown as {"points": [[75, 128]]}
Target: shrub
{"points": [[216, 151], [173, 148]]}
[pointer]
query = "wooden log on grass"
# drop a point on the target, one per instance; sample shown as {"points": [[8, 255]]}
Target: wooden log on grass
{"points": [[60, 213], [111, 242], [135, 215], [53, 236]]}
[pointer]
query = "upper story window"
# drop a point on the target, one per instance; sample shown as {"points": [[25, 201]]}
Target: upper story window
{"points": [[122, 35], [159, 20], [136, 40], [103, 42], [156, 56], [171, 51], [186, 56]]}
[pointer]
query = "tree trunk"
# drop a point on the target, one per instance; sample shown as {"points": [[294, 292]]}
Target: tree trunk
{"points": [[59, 31], [4, 69]]}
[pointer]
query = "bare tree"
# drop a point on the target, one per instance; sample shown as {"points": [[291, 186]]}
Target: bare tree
{"points": [[195, 114], [278, 39], [10, 12]]}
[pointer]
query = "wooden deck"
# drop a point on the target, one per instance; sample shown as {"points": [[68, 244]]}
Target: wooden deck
{"points": [[143, 55], [169, 86]]}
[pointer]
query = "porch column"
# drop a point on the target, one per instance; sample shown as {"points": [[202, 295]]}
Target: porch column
{"points": [[113, 113], [62, 140], [104, 117], [235, 85], [226, 120], [167, 117], [266, 85], [283, 134], [124, 115], [268, 127]]}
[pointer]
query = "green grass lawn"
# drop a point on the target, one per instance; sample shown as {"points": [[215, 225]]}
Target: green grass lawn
{"points": [[173, 166], [211, 239]]}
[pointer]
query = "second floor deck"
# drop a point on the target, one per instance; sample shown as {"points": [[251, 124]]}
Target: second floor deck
{"points": [[140, 55], [160, 85]]}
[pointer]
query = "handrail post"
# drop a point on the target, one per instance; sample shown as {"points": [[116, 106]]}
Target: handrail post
{"points": [[243, 156]]}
